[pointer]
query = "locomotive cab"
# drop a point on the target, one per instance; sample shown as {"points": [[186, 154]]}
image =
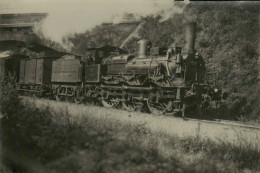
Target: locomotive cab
{"points": [[98, 55], [94, 56]]}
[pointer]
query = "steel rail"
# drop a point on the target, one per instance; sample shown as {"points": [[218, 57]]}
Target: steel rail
{"points": [[228, 122]]}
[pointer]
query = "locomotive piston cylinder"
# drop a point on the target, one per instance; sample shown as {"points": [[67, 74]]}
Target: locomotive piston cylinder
{"points": [[190, 36]]}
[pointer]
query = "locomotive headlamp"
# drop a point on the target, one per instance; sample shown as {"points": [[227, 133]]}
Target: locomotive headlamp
{"points": [[184, 57]]}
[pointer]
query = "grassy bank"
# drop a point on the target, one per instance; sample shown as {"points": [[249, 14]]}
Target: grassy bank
{"points": [[64, 143]]}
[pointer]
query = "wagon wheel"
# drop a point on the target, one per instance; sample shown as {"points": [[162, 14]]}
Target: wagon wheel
{"points": [[134, 106], [78, 98], [27, 93], [35, 95], [21, 93], [159, 108], [110, 102], [59, 97], [69, 99]]}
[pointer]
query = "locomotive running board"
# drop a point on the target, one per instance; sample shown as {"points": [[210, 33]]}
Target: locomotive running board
{"points": [[128, 88]]}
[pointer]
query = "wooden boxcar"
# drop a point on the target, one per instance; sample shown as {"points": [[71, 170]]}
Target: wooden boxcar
{"points": [[67, 75], [35, 76], [66, 71]]}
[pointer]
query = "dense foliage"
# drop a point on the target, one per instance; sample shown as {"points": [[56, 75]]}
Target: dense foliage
{"points": [[227, 38]]}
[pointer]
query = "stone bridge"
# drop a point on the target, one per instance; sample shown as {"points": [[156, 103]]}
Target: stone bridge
{"points": [[20, 26]]}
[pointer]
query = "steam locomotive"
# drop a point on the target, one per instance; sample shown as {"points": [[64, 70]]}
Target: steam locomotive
{"points": [[164, 80]]}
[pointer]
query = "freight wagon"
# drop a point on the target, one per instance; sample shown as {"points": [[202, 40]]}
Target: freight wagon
{"points": [[35, 76], [66, 77]]}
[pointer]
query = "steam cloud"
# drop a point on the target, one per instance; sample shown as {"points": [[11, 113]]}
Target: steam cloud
{"points": [[67, 17]]}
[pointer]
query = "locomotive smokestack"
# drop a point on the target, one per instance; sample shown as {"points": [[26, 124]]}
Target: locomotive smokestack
{"points": [[190, 35], [143, 48]]}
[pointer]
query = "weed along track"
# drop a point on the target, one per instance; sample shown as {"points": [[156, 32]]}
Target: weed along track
{"points": [[235, 133]]}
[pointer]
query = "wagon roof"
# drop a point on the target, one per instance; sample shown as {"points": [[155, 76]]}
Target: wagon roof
{"points": [[29, 49]]}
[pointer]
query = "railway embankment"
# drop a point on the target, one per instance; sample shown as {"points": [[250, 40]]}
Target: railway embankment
{"points": [[63, 137], [220, 131], [170, 133]]}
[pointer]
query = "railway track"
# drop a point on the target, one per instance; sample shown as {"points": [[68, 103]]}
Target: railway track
{"points": [[223, 131], [229, 123]]}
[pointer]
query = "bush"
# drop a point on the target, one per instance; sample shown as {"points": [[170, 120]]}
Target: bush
{"points": [[245, 156], [9, 102], [21, 123]]}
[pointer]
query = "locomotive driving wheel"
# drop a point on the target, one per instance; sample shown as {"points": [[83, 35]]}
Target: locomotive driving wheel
{"points": [[78, 100], [159, 108], [132, 106], [110, 102], [69, 99], [59, 97]]}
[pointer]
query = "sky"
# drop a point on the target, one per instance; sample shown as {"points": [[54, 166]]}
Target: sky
{"points": [[68, 17]]}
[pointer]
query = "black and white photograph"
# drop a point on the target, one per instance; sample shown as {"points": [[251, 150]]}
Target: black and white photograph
{"points": [[129, 86]]}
